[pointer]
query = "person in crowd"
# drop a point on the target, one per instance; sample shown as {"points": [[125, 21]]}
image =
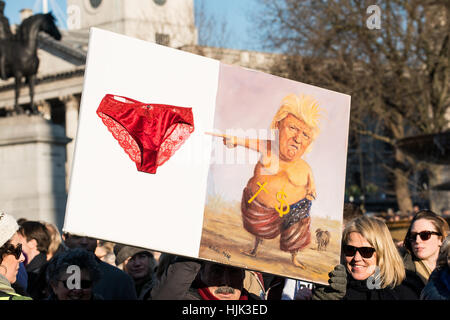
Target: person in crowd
{"points": [[422, 243], [273, 286], [254, 283], [302, 290], [40, 288], [165, 260], [10, 257], [372, 267], [264, 285], [188, 279], [297, 290], [156, 255], [56, 244], [445, 212], [72, 274], [35, 240], [140, 265], [21, 284], [438, 286], [114, 284], [105, 252]]}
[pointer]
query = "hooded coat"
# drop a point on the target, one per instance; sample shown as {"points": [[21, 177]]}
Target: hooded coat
{"points": [[438, 286], [7, 292]]}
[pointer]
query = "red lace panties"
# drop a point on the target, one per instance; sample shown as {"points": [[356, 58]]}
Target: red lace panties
{"points": [[149, 133]]}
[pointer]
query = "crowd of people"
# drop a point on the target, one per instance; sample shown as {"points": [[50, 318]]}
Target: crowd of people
{"points": [[38, 263], [390, 215]]}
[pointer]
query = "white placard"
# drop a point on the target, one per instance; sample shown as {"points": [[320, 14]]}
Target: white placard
{"points": [[108, 198]]}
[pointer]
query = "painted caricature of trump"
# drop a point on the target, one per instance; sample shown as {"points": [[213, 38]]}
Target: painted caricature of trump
{"points": [[278, 201]]}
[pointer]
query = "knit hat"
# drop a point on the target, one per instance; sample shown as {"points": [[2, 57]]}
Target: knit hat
{"points": [[123, 252], [8, 226]]}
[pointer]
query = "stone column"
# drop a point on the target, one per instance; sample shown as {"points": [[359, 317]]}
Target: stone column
{"points": [[72, 107], [45, 108], [32, 174]]}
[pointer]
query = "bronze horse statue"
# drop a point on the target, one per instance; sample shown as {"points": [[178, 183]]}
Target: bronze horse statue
{"points": [[19, 54]]}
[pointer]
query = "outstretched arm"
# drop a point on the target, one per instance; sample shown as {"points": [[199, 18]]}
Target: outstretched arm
{"points": [[262, 146]]}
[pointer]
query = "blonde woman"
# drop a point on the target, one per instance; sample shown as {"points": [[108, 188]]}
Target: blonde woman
{"points": [[55, 245], [372, 267]]}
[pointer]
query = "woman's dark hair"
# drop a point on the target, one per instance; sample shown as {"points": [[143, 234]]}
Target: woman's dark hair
{"points": [[6, 248], [60, 263], [164, 261], [439, 223]]}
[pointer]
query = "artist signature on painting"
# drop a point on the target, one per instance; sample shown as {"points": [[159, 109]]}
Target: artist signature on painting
{"points": [[222, 252]]}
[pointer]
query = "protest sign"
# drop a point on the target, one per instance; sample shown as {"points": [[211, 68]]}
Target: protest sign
{"points": [[183, 154]]}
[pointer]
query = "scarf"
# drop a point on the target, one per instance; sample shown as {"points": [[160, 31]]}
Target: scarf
{"points": [[207, 295], [358, 290], [422, 269], [5, 286]]}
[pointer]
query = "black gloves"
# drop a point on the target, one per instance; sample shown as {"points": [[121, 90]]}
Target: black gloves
{"points": [[337, 288]]}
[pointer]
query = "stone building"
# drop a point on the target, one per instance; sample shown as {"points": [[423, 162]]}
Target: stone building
{"points": [[36, 152]]}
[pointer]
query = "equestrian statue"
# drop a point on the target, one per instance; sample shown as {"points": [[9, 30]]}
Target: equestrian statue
{"points": [[18, 53]]}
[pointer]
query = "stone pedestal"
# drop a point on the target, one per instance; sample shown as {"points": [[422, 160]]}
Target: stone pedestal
{"points": [[71, 107], [32, 168]]}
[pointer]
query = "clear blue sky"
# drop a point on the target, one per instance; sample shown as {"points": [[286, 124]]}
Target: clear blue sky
{"points": [[234, 12], [13, 7]]}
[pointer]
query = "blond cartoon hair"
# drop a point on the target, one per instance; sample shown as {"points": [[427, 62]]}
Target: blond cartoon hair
{"points": [[303, 107], [375, 231]]}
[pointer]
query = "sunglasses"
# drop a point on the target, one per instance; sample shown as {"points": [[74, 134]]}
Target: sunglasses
{"points": [[424, 235], [84, 284], [16, 251], [365, 252]]}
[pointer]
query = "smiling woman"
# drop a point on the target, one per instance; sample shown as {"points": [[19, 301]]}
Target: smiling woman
{"points": [[372, 235], [373, 268], [10, 257]]}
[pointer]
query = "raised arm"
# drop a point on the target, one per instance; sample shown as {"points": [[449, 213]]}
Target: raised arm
{"points": [[177, 280], [262, 146]]}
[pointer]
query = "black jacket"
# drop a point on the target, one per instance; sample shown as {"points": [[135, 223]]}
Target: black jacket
{"points": [[407, 290], [438, 286], [34, 268]]}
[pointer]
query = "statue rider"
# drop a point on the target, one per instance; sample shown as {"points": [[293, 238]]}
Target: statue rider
{"points": [[5, 34]]}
